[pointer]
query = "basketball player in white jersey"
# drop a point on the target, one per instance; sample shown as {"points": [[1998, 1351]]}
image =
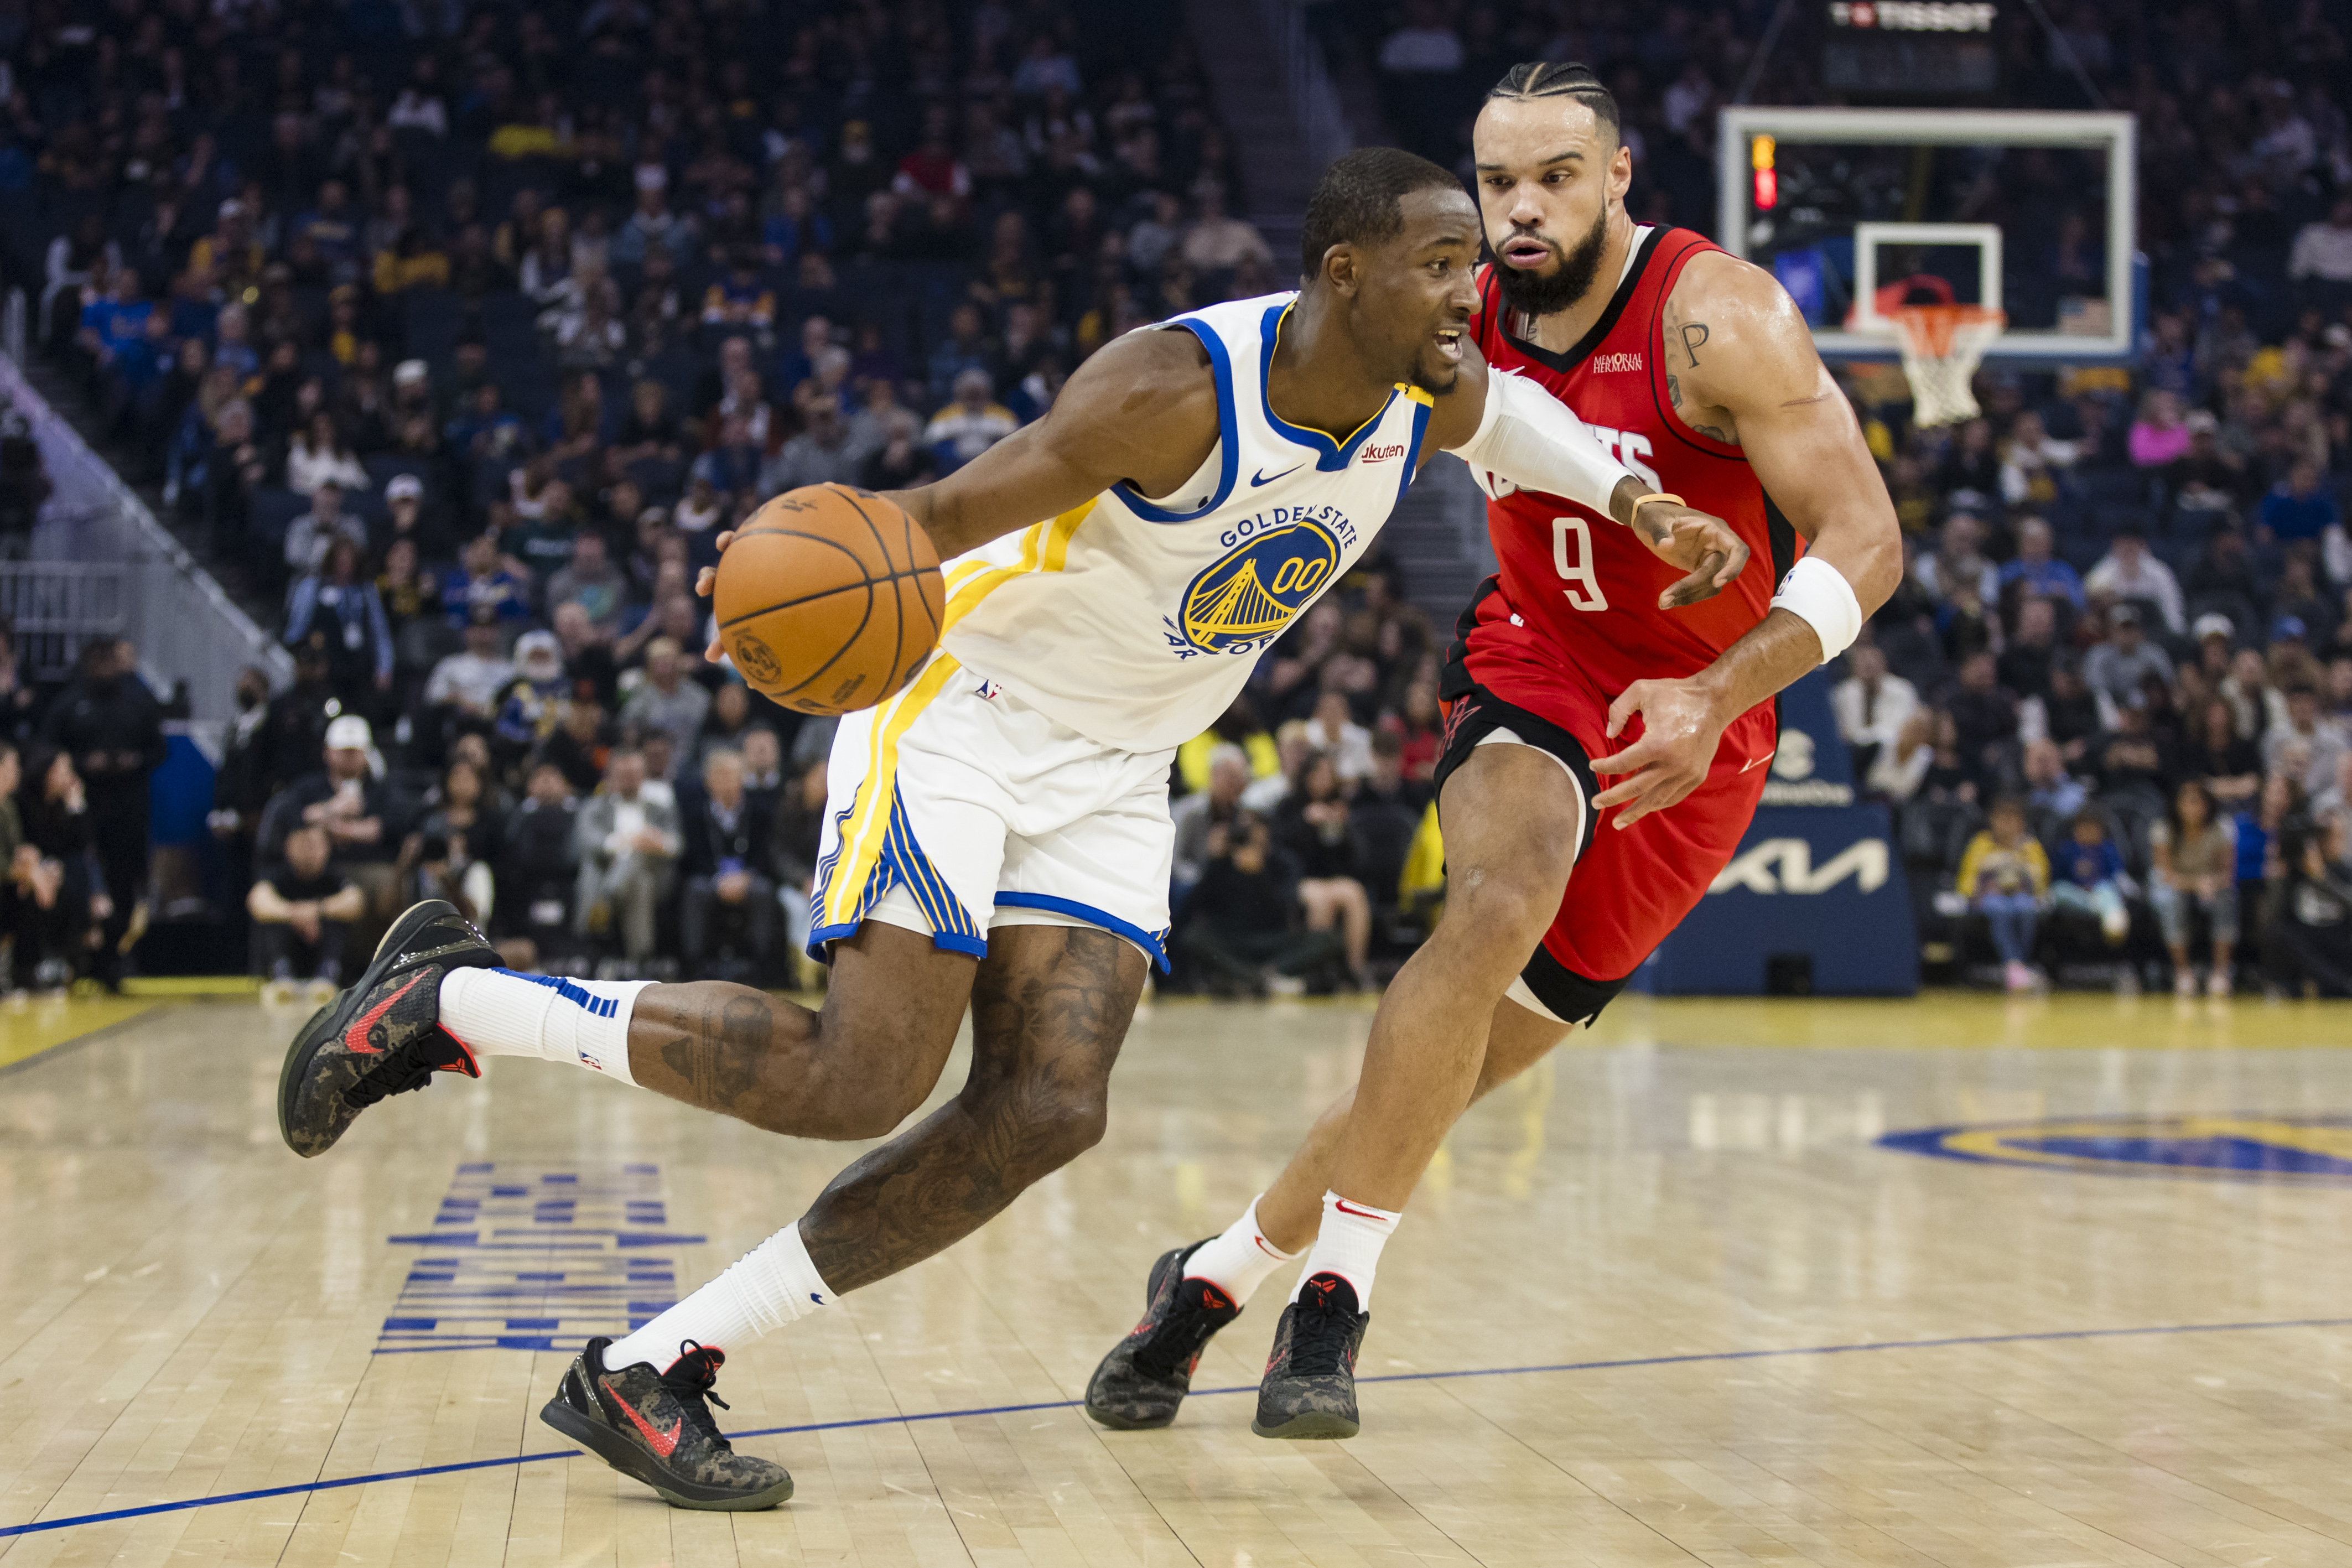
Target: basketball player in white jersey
{"points": [[998, 833]]}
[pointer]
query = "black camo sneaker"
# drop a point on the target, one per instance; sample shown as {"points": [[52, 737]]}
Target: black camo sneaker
{"points": [[382, 1036], [1309, 1388], [657, 1426], [1147, 1374]]}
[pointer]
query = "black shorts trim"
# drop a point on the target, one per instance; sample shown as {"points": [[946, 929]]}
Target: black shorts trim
{"points": [[1571, 997], [1480, 713]]}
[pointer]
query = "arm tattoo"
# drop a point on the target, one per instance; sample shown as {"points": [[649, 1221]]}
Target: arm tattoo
{"points": [[1674, 397], [1691, 344]]}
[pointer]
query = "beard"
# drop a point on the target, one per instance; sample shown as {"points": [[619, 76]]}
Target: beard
{"points": [[1535, 294]]}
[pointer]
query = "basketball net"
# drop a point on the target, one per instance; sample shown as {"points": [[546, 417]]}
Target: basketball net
{"points": [[1942, 346]]}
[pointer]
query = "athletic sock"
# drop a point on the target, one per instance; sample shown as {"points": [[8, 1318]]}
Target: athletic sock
{"points": [[1349, 1245], [763, 1290], [1238, 1261], [498, 1013]]}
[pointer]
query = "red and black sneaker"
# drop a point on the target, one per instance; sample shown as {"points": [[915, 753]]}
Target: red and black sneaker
{"points": [[1147, 1374], [383, 1035], [657, 1426], [1310, 1387]]}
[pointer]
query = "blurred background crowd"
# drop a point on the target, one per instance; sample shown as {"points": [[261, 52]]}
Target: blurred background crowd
{"points": [[450, 336]]}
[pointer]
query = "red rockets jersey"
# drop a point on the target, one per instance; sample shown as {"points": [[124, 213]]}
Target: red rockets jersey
{"points": [[1579, 604]]}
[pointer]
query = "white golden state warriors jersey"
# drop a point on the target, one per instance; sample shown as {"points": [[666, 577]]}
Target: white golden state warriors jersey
{"points": [[1135, 622]]}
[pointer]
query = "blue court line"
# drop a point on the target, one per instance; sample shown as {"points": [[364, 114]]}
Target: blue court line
{"points": [[2054, 1336]]}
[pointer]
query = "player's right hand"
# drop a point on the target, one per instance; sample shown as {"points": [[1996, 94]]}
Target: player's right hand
{"points": [[1705, 546], [704, 582]]}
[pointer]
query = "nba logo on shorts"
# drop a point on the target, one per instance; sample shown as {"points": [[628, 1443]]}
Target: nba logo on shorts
{"points": [[1251, 594]]}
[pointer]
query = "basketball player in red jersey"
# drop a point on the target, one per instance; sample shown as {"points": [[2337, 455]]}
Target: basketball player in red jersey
{"points": [[1568, 669]]}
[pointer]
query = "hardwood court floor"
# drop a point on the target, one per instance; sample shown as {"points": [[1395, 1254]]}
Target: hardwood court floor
{"points": [[1707, 1315]]}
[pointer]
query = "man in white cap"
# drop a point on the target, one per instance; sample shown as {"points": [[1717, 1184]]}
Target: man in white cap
{"points": [[406, 502], [346, 798]]}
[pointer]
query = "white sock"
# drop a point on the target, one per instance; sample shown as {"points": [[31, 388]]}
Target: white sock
{"points": [[498, 1013], [1238, 1261], [1349, 1245], [761, 1292]]}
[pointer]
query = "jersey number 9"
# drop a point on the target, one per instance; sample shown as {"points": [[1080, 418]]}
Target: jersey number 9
{"points": [[1585, 593]]}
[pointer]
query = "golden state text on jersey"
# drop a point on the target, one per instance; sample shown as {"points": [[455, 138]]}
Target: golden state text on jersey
{"points": [[1278, 561]]}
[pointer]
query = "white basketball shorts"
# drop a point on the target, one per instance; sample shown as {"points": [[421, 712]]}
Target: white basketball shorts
{"points": [[955, 808]]}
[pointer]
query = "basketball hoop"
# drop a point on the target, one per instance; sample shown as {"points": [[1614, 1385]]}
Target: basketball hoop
{"points": [[1942, 346]]}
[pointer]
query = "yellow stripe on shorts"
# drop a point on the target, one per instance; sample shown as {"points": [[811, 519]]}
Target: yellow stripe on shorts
{"points": [[869, 812], [1046, 547]]}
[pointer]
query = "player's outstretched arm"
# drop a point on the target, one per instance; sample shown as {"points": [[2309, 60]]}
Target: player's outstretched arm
{"points": [[1144, 409], [1507, 427], [1737, 351]]}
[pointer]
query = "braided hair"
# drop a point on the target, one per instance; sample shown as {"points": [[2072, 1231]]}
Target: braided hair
{"points": [[1560, 78]]}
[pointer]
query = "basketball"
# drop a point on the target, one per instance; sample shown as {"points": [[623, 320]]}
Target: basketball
{"points": [[828, 599]]}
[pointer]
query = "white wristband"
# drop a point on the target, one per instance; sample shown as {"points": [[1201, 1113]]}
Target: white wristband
{"points": [[1819, 592]]}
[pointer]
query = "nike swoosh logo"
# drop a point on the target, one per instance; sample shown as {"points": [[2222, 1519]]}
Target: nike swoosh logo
{"points": [[1344, 1206], [663, 1443], [1754, 762], [355, 1038], [1260, 479]]}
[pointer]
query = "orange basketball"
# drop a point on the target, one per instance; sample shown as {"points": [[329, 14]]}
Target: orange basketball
{"points": [[829, 598]]}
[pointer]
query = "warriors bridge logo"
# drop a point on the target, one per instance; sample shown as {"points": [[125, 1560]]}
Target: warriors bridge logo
{"points": [[1271, 574], [2299, 1150]]}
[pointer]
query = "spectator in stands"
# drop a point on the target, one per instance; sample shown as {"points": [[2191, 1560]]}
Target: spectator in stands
{"points": [[2309, 951], [2035, 566], [2302, 505], [627, 845], [1217, 241], [969, 425], [468, 685], [456, 845], [1239, 936], [2005, 876], [2307, 734], [65, 927], [1958, 562], [309, 536], [319, 455], [725, 866], [302, 910], [347, 797], [2053, 795], [2159, 437], [1334, 732], [1311, 829], [2216, 755], [2322, 257], [2195, 871], [1198, 814], [2090, 877], [336, 602], [823, 453], [591, 581], [2127, 571], [666, 699], [2118, 669], [112, 727]]}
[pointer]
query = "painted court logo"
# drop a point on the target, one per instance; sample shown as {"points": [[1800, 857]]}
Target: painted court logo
{"points": [[1251, 594], [2298, 1149]]}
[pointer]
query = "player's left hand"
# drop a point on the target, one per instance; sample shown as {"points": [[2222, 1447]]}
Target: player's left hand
{"points": [[1705, 546], [1680, 732]]}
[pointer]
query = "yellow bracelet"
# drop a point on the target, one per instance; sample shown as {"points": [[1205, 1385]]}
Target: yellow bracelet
{"points": [[1639, 502]]}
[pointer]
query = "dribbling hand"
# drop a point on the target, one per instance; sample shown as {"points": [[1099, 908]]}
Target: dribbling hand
{"points": [[706, 580]]}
